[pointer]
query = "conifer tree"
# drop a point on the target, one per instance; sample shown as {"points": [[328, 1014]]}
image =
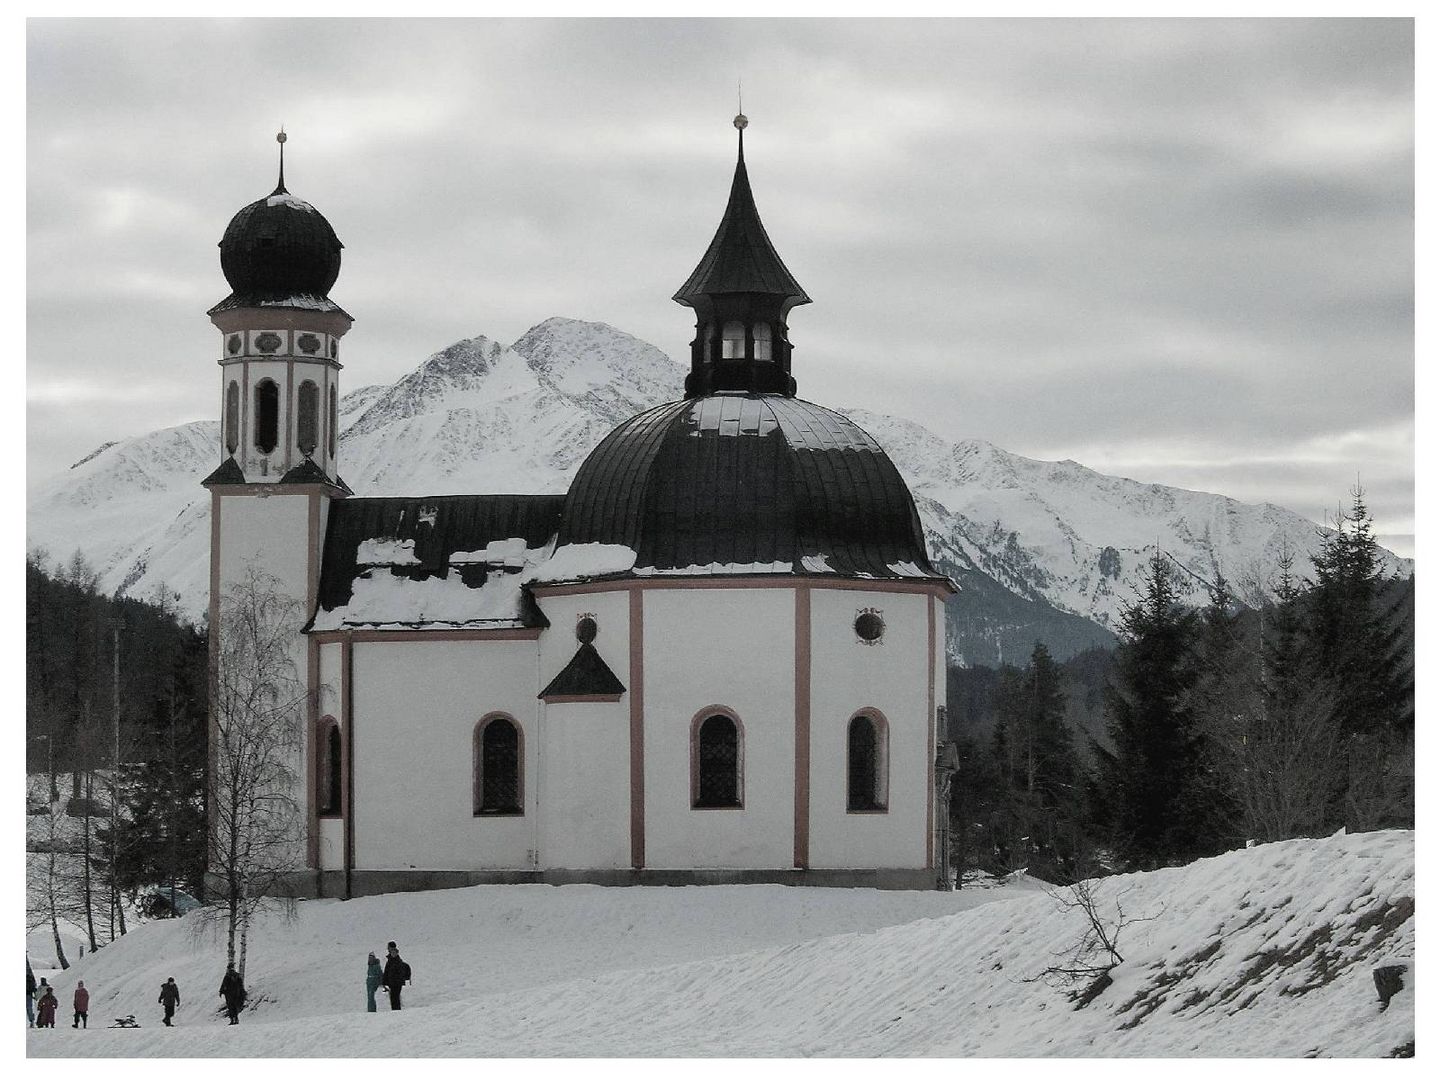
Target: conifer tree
{"points": [[1146, 789], [1356, 638]]}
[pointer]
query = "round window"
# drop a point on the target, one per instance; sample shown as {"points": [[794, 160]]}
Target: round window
{"points": [[869, 626], [586, 630]]}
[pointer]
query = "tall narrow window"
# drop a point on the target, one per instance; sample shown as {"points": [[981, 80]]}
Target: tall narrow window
{"points": [[307, 424], [868, 766], [232, 417], [334, 420], [497, 766], [716, 763], [328, 766], [708, 332], [267, 416], [732, 341], [761, 334]]}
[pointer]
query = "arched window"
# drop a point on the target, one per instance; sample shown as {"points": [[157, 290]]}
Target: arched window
{"points": [[267, 415], [497, 766], [732, 341], [334, 420], [307, 424], [708, 337], [716, 761], [232, 417], [868, 765], [760, 332], [328, 764]]}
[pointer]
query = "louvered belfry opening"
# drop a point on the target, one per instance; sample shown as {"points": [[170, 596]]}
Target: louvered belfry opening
{"points": [[497, 780], [717, 754]]}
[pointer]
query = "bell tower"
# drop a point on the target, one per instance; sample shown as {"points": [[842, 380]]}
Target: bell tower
{"points": [[279, 343], [741, 294]]}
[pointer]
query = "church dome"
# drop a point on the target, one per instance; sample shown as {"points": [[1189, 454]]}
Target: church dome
{"points": [[739, 483], [277, 249]]}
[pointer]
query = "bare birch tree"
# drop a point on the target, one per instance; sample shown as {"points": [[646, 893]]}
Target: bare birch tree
{"points": [[258, 723]]}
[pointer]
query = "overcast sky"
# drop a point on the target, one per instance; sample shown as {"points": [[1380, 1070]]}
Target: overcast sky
{"points": [[1180, 251]]}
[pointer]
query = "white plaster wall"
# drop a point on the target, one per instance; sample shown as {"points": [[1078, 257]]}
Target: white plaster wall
{"points": [[891, 676], [416, 706], [584, 766], [332, 843], [585, 785], [731, 647], [272, 530]]}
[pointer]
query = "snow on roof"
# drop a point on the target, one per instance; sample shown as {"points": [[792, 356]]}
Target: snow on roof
{"points": [[284, 198], [383, 599], [574, 561]]}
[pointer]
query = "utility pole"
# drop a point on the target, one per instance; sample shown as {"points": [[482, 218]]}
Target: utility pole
{"points": [[116, 910]]}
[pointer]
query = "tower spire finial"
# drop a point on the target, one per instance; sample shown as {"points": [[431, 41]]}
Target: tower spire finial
{"points": [[280, 138], [741, 122]]}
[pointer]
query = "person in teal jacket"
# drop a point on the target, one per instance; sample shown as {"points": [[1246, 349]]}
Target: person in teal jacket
{"points": [[372, 982]]}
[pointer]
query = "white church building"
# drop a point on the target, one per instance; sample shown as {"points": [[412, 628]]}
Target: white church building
{"points": [[717, 658]]}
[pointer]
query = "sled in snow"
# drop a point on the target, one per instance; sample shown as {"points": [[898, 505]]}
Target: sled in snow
{"points": [[126, 1021]]}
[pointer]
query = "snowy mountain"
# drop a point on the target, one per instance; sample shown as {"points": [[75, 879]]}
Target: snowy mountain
{"points": [[1267, 951], [1042, 550]]}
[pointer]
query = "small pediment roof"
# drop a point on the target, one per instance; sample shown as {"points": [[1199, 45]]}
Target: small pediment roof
{"points": [[586, 675]]}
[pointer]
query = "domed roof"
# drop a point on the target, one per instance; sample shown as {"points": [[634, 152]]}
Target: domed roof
{"points": [[279, 249], [747, 483]]}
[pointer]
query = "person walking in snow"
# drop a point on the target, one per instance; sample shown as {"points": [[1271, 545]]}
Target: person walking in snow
{"points": [[48, 1004], [170, 998], [30, 992], [373, 978], [232, 989], [82, 1005], [396, 975]]}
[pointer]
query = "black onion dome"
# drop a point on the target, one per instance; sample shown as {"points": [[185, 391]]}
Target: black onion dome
{"points": [[758, 483], [279, 249]]}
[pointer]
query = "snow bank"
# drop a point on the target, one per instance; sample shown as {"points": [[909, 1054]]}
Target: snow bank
{"points": [[1262, 952]]}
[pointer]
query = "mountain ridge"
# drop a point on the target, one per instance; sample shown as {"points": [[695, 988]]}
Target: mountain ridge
{"points": [[1042, 550]]}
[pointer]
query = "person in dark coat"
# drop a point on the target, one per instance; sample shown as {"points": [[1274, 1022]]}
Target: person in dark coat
{"points": [[30, 992], [232, 989], [396, 975], [170, 998], [82, 1005], [48, 1004], [372, 981]]}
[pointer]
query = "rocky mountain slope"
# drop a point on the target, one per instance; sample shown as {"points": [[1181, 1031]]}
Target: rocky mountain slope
{"points": [[1042, 550]]}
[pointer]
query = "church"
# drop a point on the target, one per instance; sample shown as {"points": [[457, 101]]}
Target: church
{"points": [[717, 658]]}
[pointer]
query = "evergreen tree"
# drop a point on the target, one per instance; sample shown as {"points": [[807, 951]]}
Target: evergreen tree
{"points": [[1036, 763], [1357, 642], [1146, 792]]}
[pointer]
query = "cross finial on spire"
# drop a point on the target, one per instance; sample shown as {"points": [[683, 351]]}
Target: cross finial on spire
{"points": [[280, 138]]}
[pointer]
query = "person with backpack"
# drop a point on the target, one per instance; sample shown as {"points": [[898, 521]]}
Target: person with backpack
{"points": [[48, 1004], [82, 1005], [232, 989], [373, 978], [396, 975], [170, 998]]}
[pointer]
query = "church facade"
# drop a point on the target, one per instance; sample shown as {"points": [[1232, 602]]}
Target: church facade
{"points": [[717, 658]]}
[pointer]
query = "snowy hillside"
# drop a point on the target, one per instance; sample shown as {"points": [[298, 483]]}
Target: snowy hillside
{"points": [[1262, 952], [1042, 549]]}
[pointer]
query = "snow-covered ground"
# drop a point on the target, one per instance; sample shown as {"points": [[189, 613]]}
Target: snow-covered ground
{"points": [[1266, 951]]}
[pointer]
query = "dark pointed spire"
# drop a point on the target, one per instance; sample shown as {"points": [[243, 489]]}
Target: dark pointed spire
{"points": [[741, 293], [280, 138], [741, 258]]}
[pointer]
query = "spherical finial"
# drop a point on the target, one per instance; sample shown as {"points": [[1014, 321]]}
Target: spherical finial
{"points": [[741, 122], [280, 138]]}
